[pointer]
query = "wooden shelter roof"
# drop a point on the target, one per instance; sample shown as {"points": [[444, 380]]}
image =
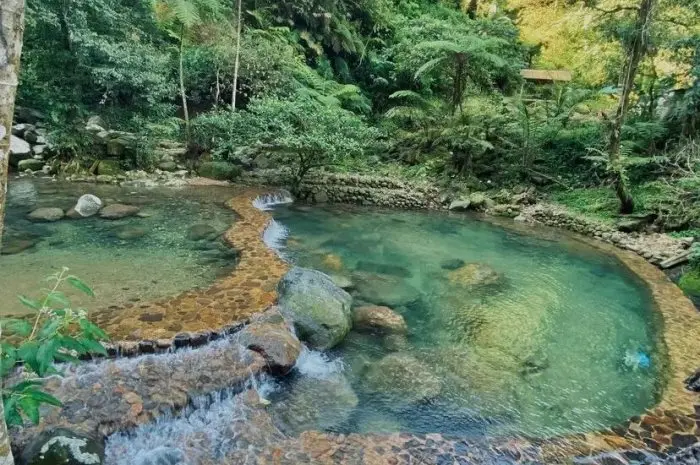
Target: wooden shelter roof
{"points": [[546, 74]]}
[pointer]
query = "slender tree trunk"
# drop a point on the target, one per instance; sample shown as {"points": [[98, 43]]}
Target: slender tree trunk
{"points": [[472, 8], [234, 92], [636, 50], [458, 83], [183, 93], [217, 95], [11, 31]]}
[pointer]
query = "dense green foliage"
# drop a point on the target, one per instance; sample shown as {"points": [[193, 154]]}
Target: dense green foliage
{"points": [[53, 332], [427, 88]]}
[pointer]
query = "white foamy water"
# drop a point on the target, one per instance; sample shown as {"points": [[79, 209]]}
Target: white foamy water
{"points": [[275, 236], [267, 202], [318, 365]]}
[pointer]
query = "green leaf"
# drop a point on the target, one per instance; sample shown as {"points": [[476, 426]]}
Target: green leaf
{"points": [[29, 303], [58, 298], [92, 346], [23, 385], [12, 415], [21, 328], [27, 352], [44, 398], [49, 329], [45, 356], [30, 407], [92, 330], [80, 285]]}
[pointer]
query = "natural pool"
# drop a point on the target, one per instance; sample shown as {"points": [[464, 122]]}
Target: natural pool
{"points": [[562, 340], [172, 246]]}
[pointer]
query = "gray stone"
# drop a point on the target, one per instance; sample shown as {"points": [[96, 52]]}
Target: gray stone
{"points": [[199, 232], [19, 129], [162, 456], [320, 310], [31, 136], [460, 205], [275, 342], [130, 233], [63, 446], [118, 211], [39, 149], [46, 215], [342, 282], [30, 164], [19, 149], [377, 318], [15, 245], [88, 205], [404, 377], [167, 166], [316, 404], [452, 264]]}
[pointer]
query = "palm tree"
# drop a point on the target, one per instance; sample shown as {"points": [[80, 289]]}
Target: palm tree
{"points": [[178, 17], [471, 57]]}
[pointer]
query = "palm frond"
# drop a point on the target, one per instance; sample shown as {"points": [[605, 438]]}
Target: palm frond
{"points": [[427, 67]]}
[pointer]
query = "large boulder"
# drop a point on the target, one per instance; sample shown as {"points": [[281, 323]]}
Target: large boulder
{"points": [[19, 150], [109, 168], [320, 310], [30, 164], [219, 170], [460, 205], [117, 211], [387, 290], [275, 342], [63, 446], [474, 275], [46, 215], [316, 404], [88, 205], [480, 202], [381, 319], [403, 377]]}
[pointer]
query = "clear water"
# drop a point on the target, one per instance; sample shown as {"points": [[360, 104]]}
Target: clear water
{"points": [[553, 348], [128, 260]]}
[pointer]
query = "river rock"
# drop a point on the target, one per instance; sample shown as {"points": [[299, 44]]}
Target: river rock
{"points": [[117, 211], [342, 282], [275, 342], [480, 202], [19, 149], [460, 205], [380, 289], [474, 275], [316, 404], [452, 264], [65, 447], [88, 205], [199, 232], [376, 318], [46, 214], [383, 268], [30, 164], [109, 168], [320, 310], [167, 166], [162, 456], [129, 233], [403, 376], [15, 245]]}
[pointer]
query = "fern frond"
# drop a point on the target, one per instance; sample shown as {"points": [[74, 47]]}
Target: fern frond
{"points": [[427, 67]]}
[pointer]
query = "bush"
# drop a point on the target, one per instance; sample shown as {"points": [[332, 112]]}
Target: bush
{"points": [[220, 170]]}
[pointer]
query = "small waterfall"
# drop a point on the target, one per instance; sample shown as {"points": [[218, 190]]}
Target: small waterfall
{"points": [[267, 202], [315, 364], [274, 236]]}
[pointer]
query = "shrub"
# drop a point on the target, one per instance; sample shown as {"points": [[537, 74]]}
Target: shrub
{"points": [[221, 170]]}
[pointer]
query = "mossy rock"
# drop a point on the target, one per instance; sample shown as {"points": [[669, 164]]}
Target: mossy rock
{"points": [[109, 168], [690, 283], [219, 170]]}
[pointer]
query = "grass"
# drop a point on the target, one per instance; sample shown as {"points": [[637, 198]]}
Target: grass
{"points": [[690, 282]]}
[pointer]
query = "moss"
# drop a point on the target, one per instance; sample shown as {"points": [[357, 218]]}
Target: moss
{"points": [[219, 170], [690, 282]]}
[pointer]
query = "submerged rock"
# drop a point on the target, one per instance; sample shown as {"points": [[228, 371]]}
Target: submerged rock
{"points": [[316, 404], [162, 456], [342, 282], [15, 245], [452, 264], [403, 376], [278, 346], [378, 318], [319, 309], [65, 447], [474, 275], [200, 232], [129, 233], [384, 268], [380, 289], [118, 211], [46, 215]]}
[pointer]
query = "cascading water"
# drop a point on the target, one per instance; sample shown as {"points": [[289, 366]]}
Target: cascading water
{"points": [[275, 236], [267, 202]]}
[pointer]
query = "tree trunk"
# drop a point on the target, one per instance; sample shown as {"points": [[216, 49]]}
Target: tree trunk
{"points": [[472, 8], [458, 83], [238, 56], [183, 93], [11, 30], [636, 50]]}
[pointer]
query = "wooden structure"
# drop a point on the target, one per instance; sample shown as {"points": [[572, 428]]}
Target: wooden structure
{"points": [[542, 76]]}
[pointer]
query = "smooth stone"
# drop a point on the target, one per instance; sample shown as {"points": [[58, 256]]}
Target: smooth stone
{"points": [[278, 346], [19, 148], [30, 164], [459, 205], [63, 446], [118, 211], [88, 205], [379, 289], [452, 264], [129, 233], [15, 245], [474, 275], [383, 268], [403, 376], [320, 310], [167, 166], [376, 318], [200, 232], [46, 215], [342, 282]]}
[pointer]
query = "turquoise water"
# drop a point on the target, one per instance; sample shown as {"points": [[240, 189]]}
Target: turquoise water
{"points": [[140, 258], [555, 344]]}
